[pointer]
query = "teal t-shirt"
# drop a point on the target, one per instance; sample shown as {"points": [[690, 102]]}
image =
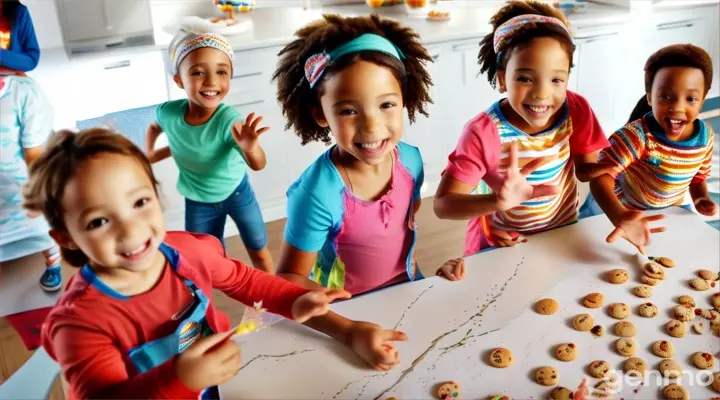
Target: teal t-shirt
{"points": [[210, 163]]}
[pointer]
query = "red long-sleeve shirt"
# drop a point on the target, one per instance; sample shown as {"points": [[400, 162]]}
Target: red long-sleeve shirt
{"points": [[89, 333]]}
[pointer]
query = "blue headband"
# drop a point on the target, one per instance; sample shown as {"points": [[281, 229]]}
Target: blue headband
{"points": [[316, 65]]}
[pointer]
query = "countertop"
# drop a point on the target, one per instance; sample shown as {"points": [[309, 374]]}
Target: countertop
{"points": [[452, 326], [273, 27]]}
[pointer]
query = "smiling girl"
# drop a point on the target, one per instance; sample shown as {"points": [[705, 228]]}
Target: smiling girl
{"points": [[516, 165], [212, 145]]}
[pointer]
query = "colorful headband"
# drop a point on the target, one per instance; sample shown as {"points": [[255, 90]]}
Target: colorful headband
{"points": [[316, 65], [185, 42], [507, 30]]}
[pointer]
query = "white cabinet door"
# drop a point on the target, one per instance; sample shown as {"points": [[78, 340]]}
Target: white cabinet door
{"points": [[271, 182], [426, 133], [83, 19], [127, 16], [465, 92], [598, 76]]}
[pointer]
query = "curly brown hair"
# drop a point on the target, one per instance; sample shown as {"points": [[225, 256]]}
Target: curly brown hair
{"points": [[679, 55], [51, 172], [488, 60], [298, 99]]}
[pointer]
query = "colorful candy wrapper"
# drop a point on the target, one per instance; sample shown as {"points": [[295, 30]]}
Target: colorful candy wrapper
{"points": [[255, 319]]}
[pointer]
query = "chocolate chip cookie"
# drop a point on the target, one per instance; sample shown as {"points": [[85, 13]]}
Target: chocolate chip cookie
{"points": [[583, 322], [546, 306], [561, 393], [663, 348], [501, 358], [625, 329], [670, 369], [703, 360], [636, 365], [599, 369], [547, 376], [643, 291], [649, 281], [617, 276], [664, 261], [566, 352], [654, 270], [648, 310], [674, 391], [626, 347], [619, 310], [687, 301], [594, 300], [699, 284], [676, 328], [683, 313], [449, 390]]}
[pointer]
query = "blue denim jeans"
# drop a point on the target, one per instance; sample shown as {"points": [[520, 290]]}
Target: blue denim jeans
{"points": [[241, 206]]}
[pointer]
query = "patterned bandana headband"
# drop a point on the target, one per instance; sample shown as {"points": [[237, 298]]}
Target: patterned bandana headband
{"points": [[185, 42], [316, 65], [505, 32]]}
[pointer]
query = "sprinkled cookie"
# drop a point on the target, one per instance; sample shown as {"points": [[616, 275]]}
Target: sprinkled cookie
{"points": [[566, 352], [716, 301], [654, 270], [501, 358], [703, 360], [676, 328], [683, 313], [617, 276], [648, 310], [625, 329], [699, 284], [698, 327], [626, 347], [597, 331], [707, 275], [546, 306], [619, 310], [643, 291], [500, 397], [670, 369], [594, 300], [583, 322], [664, 261], [561, 393], [547, 376], [674, 391], [710, 315], [599, 369], [716, 382], [449, 390], [663, 348], [687, 301], [636, 365], [649, 281]]}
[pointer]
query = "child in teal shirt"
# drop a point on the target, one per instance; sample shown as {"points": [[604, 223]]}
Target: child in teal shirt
{"points": [[212, 145]]}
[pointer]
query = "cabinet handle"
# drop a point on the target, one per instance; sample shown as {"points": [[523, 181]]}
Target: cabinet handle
{"points": [[249, 103], [247, 75], [119, 64], [592, 38], [466, 46], [674, 25]]}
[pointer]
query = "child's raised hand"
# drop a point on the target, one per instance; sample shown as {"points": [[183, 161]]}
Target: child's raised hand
{"points": [[374, 344], [246, 137], [453, 270], [634, 227], [705, 206], [515, 188], [316, 303], [209, 361]]}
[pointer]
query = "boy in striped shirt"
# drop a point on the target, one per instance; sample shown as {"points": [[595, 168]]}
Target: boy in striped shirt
{"points": [[656, 159]]}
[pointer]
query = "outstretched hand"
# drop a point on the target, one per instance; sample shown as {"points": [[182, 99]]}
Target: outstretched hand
{"points": [[515, 188], [634, 227], [246, 137], [374, 344], [316, 303]]}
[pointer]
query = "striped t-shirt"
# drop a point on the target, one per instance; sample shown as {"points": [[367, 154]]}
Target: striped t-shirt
{"points": [[481, 159], [653, 172]]}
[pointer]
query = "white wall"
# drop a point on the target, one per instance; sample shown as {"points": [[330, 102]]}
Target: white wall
{"points": [[46, 22]]}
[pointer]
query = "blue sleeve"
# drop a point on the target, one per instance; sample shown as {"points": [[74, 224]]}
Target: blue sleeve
{"points": [[25, 56], [308, 220], [36, 116], [412, 160]]}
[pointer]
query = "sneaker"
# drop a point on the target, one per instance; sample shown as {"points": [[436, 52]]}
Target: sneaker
{"points": [[51, 279]]}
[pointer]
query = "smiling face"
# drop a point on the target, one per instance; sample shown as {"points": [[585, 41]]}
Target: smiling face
{"points": [[112, 214], [205, 76], [363, 106], [535, 80], [676, 99]]}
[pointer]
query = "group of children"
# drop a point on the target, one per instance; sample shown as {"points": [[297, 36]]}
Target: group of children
{"points": [[137, 319]]}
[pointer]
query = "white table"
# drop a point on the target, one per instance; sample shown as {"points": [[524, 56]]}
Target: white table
{"points": [[453, 325]]}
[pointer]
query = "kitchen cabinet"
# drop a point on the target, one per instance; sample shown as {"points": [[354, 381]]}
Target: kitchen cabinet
{"points": [[84, 20]]}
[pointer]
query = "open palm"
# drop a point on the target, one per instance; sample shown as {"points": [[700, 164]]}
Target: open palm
{"points": [[247, 136], [515, 188]]}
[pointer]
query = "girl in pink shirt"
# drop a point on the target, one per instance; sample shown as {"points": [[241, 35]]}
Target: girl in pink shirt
{"points": [[350, 221], [516, 165]]}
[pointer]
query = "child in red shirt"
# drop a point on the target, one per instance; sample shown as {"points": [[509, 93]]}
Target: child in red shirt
{"points": [[137, 320]]}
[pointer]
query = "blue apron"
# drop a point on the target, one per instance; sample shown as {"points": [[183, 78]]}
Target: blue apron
{"points": [[192, 327]]}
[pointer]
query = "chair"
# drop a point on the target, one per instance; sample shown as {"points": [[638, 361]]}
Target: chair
{"points": [[33, 380]]}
